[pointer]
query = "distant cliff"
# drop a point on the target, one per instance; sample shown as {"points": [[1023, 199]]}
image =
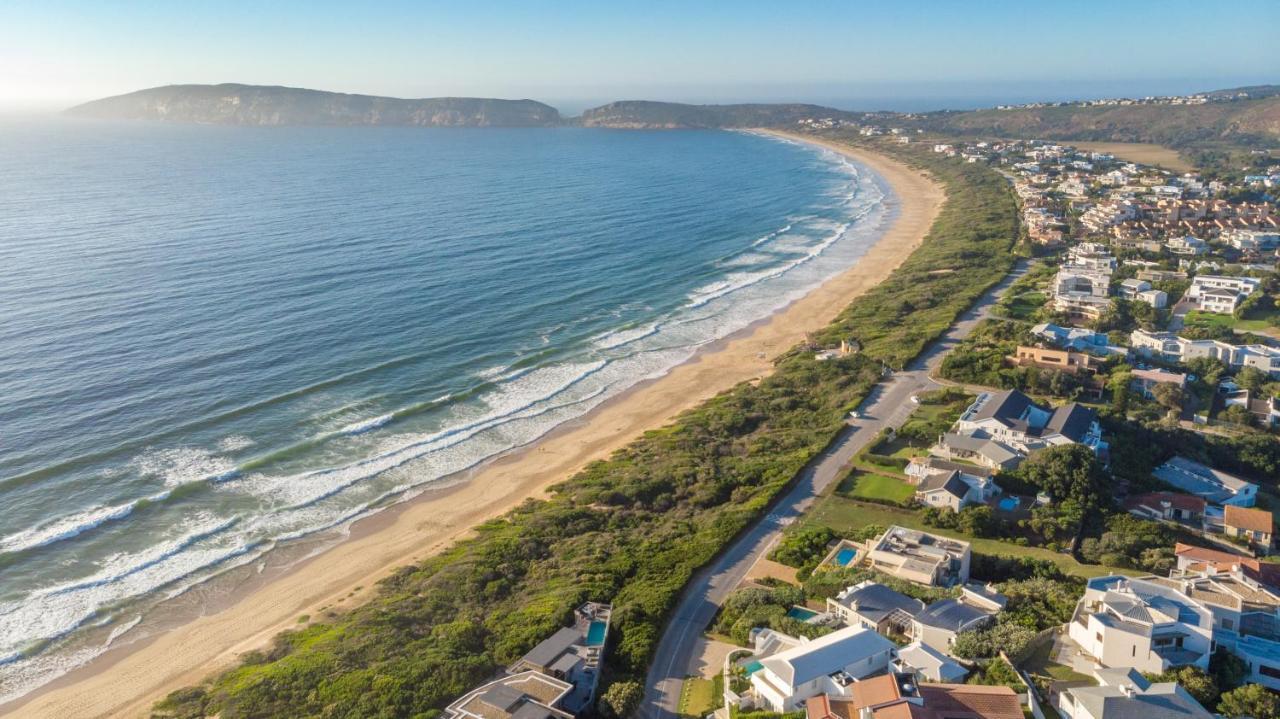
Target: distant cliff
{"points": [[232, 104], [643, 114]]}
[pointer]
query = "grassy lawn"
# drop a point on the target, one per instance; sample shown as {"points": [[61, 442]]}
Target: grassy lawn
{"points": [[846, 515], [1040, 664], [1198, 318], [697, 697], [876, 486], [899, 447], [1023, 307]]}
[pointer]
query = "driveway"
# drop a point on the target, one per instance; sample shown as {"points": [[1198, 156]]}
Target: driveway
{"points": [[888, 405]]}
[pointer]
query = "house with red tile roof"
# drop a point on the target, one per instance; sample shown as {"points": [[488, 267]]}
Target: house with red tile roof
{"points": [[1199, 558], [1173, 506], [1252, 525], [896, 696]]}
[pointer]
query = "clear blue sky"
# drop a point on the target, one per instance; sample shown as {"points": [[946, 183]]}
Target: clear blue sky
{"points": [[60, 51]]}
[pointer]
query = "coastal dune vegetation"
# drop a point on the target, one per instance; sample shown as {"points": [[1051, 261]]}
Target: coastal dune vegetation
{"points": [[632, 529]]}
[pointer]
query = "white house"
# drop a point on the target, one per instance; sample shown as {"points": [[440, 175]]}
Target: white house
{"points": [[952, 485], [920, 557], [929, 664], [1077, 338], [827, 665], [1010, 417], [871, 605], [1171, 348], [1158, 299], [1124, 694], [941, 622], [1130, 288], [1258, 240], [1124, 622], [1187, 246], [1216, 293]]}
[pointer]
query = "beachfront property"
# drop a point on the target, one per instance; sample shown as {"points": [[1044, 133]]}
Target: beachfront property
{"points": [[527, 695], [1221, 295], [940, 483], [899, 697], [831, 664], [1240, 606], [1212, 485], [1124, 693], [1124, 622], [554, 680], [1254, 526], [982, 450], [941, 622], [1081, 293], [920, 557], [1168, 347], [1010, 418], [1078, 339], [928, 664]]}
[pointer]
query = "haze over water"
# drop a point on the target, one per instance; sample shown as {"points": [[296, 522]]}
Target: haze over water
{"points": [[216, 340]]}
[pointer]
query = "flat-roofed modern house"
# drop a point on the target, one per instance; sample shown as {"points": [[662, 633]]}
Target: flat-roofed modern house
{"points": [[830, 664], [1213, 485], [874, 606], [527, 695], [556, 679], [1072, 363], [1126, 694], [1124, 622], [1216, 293], [1169, 347], [920, 557]]}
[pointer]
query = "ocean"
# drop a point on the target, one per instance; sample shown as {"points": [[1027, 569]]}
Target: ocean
{"points": [[219, 346]]}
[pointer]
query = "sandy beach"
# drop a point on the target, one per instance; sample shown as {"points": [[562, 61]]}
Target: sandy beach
{"points": [[126, 681]]}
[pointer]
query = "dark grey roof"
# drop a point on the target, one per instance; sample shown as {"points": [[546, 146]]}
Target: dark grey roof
{"points": [[1166, 700], [1006, 406], [970, 469], [949, 482], [876, 601], [950, 614], [1071, 421], [532, 710], [550, 649]]}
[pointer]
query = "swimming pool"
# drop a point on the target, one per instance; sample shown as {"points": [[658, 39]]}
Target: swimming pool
{"points": [[595, 634], [753, 667], [1009, 504], [845, 556], [801, 613]]}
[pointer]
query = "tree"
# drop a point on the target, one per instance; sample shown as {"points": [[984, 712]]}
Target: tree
{"points": [[1236, 414], [1228, 669], [1252, 701], [1118, 383], [1073, 478], [1251, 378], [1198, 684], [1169, 395], [621, 699]]}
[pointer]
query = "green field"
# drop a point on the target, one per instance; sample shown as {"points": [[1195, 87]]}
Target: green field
{"points": [[845, 515], [876, 486], [697, 697], [1197, 318]]}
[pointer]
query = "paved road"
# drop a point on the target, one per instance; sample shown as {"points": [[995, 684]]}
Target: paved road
{"points": [[888, 405]]}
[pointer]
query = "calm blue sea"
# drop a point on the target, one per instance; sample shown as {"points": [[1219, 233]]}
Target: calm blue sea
{"points": [[214, 341]]}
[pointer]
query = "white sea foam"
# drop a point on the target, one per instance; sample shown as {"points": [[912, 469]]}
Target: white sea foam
{"points": [[64, 527], [183, 465], [617, 338], [234, 443], [366, 425], [52, 611]]}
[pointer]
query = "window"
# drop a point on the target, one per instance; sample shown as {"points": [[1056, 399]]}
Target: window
{"points": [[1267, 671], [1228, 624]]}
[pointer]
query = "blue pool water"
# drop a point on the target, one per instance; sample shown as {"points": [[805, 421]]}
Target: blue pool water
{"points": [[801, 613], [1009, 504], [219, 340], [595, 634], [845, 556], [754, 667]]}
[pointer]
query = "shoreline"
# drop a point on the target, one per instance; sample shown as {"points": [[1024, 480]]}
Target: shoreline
{"points": [[127, 680]]}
